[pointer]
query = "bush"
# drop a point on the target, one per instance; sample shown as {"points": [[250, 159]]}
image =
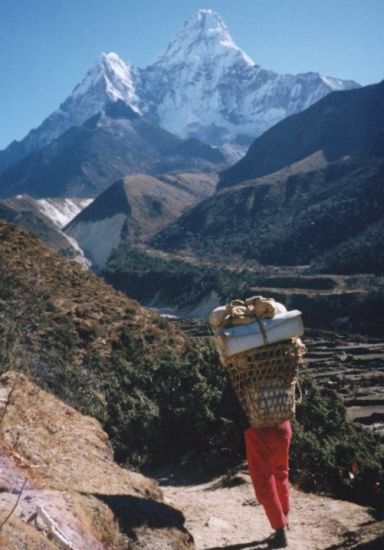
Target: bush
{"points": [[164, 406], [333, 456]]}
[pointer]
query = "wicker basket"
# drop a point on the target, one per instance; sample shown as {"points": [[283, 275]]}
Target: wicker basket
{"points": [[265, 380]]}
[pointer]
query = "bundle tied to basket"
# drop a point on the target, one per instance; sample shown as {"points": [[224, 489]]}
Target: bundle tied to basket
{"points": [[265, 377], [265, 381]]}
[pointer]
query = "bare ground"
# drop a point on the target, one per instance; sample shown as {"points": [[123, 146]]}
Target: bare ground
{"points": [[221, 516]]}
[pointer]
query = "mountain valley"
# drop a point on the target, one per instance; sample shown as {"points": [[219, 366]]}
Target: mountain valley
{"points": [[148, 198]]}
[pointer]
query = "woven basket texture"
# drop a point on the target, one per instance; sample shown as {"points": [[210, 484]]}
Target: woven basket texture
{"points": [[265, 381]]}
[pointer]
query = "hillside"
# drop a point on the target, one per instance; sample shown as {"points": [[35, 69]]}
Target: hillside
{"points": [[160, 394], [340, 124], [74, 495], [105, 354], [134, 209], [291, 219]]}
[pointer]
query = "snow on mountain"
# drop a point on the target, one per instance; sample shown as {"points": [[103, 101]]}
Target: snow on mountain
{"points": [[62, 211], [189, 88], [203, 36], [109, 80], [79, 255], [44, 221], [203, 86]]}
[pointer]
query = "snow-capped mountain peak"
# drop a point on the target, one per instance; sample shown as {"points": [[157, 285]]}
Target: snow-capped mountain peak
{"points": [[111, 77], [203, 37], [109, 80], [204, 86], [190, 88]]}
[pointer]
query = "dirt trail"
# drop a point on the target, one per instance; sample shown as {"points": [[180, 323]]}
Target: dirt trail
{"points": [[221, 516]]}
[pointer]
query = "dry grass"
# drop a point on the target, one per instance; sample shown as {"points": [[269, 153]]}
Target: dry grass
{"points": [[63, 449], [63, 317], [17, 535], [54, 300], [67, 461]]}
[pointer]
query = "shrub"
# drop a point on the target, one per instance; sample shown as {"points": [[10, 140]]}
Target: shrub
{"points": [[331, 455]]}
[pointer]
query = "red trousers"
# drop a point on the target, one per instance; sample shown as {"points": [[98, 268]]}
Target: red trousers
{"points": [[267, 457]]}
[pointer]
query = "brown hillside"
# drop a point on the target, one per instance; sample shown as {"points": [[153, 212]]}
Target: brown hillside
{"points": [[104, 354], [73, 490], [135, 208], [41, 292], [24, 211]]}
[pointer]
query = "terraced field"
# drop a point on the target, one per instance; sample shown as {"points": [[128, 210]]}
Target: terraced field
{"points": [[350, 365], [353, 366]]}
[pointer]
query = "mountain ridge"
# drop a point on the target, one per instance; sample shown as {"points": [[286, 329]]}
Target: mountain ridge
{"points": [[114, 143], [223, 98], [286, 219], [133, 209], [341, 123]]}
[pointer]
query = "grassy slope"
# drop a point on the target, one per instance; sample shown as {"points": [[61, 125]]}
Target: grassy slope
{"points": [[287, 220], [104, 353]]}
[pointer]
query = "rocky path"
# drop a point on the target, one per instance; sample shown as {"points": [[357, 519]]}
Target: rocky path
{"points": [[224, 514]]}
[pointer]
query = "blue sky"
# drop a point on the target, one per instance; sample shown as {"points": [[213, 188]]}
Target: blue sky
{"points": [[46, 46]]}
